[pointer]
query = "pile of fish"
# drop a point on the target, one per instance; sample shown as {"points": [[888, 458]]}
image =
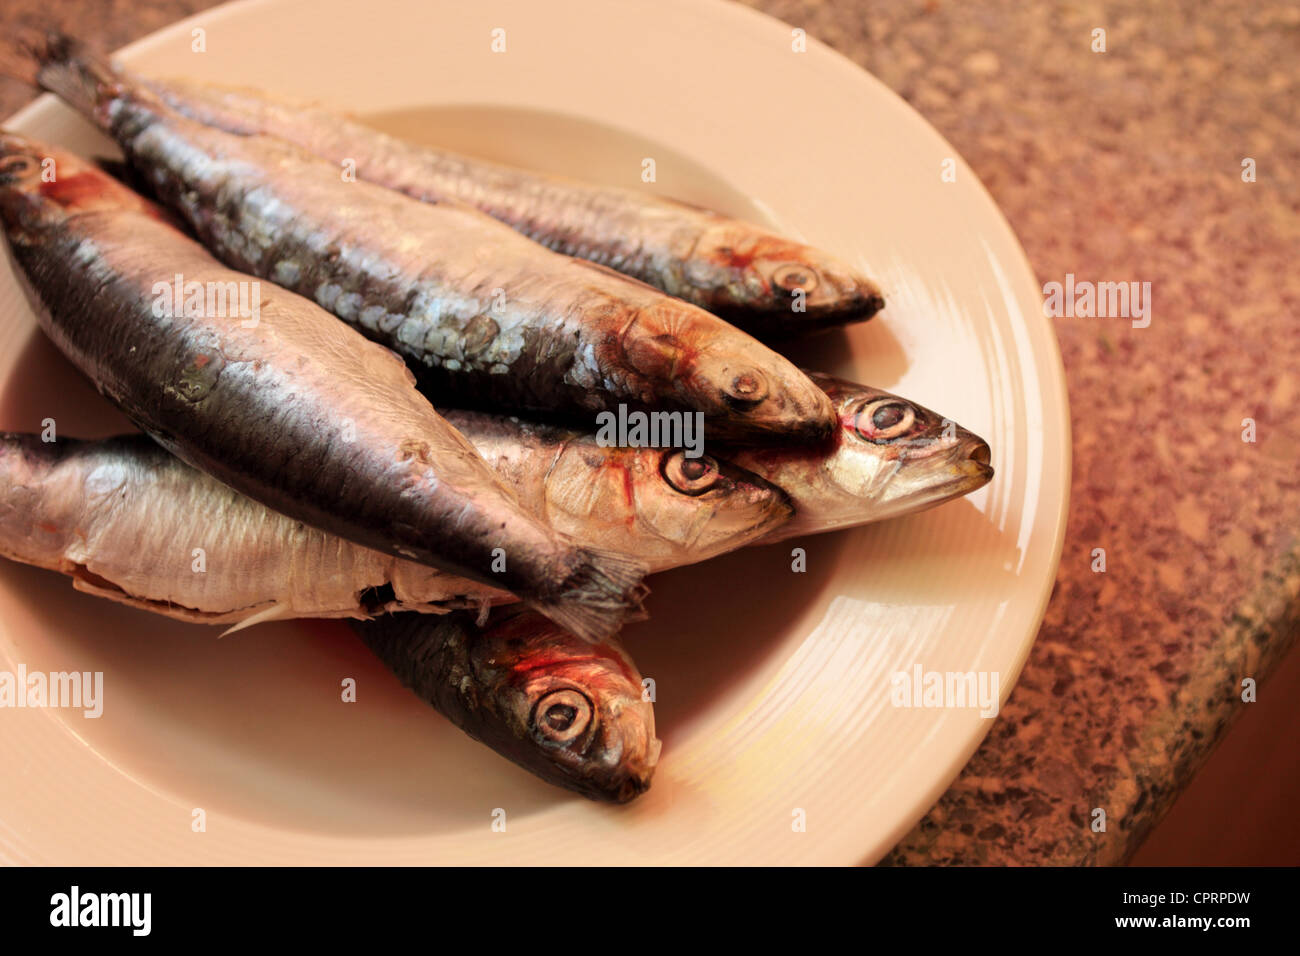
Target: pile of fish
{"points": [[375, 398]]}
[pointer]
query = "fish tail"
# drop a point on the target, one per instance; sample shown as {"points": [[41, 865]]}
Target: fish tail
{"points": [[597, 598], [62, 65], [16, 62], [274, 612]]}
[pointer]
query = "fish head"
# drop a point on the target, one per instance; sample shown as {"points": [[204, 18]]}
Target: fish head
{"points": [[744, 389], [889, 457], [573, 712], [660, 504], [21, 164], [39, 514], [20, 160], [41, 186], [775, 286]]}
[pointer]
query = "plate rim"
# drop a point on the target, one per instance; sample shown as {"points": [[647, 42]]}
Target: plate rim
{"points": [[1045, 351]]}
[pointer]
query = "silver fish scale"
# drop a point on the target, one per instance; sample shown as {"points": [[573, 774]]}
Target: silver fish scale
{"points": [[443, 285], [597, 224], [682, 249], [481, 312], [268, 408]]}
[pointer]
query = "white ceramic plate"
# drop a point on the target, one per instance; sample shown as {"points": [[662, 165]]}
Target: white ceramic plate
{"points": [[773, 687]]}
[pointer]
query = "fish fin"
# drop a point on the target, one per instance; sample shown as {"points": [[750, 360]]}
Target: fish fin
{"points": [[62, 65], [638, 613], [275, 612], [599, 596], [112, 592]]}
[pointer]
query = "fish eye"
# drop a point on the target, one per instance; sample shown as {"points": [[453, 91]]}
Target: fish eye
{"points": [[748, 388], [794, 275], [562, 716], [16, 166], [690, 476], [884, 420]]}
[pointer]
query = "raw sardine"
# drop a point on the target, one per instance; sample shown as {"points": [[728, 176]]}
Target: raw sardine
{"points": [[571, 712], [766, 284], [484, 315], [284, 404], [659, 504], [128, 521], [889, 457]]}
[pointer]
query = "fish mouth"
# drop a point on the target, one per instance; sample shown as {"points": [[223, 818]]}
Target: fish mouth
{"points": [[845, 301], [623, 768], [972, 475], [858, 306], [845, 296], [627, 751], [917, 485], [964, 469], [978, 456], [632, 784], [777, 322]]}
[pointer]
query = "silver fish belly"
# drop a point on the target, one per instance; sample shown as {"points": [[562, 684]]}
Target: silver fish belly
{"points": [[128, 521]]}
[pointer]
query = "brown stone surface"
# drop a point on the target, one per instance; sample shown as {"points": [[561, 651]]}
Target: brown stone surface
{"points": [[1115, 166]]}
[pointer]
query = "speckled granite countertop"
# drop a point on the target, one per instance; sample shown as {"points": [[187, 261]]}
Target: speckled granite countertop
{"points": [[1116, 166], [1127, 165]]}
